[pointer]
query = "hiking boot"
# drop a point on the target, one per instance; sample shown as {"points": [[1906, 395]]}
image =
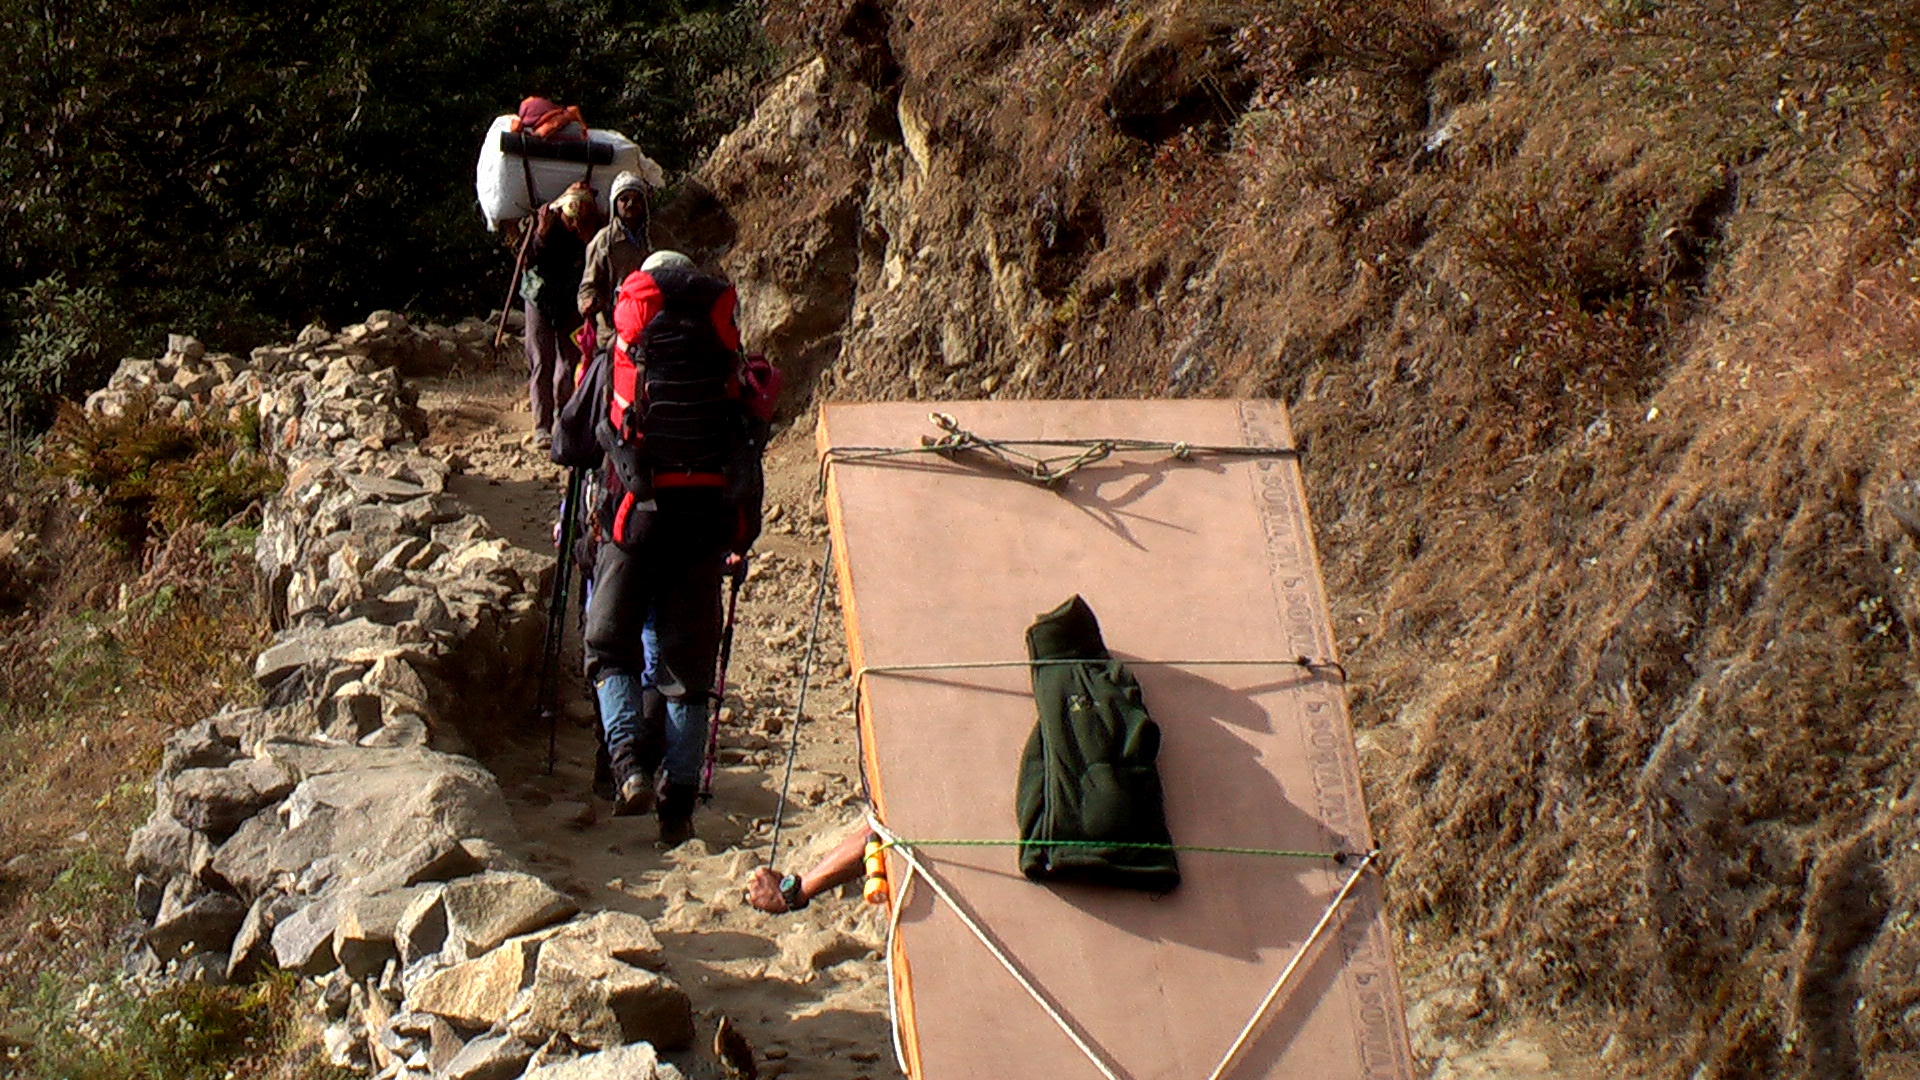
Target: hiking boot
{"points": [[676, 814], [633, 786], [634, 797]]}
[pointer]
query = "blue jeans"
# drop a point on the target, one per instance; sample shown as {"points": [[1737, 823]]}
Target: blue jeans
{"points": [[686, 740], [653, 620]]}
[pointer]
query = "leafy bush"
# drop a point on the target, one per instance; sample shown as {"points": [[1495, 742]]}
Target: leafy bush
{"points": [[215, 170], [228, 546], [148, 475], [67, 337]]}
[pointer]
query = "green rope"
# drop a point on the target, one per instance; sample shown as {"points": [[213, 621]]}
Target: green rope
{"points": [[1277, 853]]}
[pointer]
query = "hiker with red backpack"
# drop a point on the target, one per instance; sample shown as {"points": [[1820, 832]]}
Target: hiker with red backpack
{"points": [[676, 420]]}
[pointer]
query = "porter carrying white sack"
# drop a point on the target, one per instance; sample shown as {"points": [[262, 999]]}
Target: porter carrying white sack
{"points": [[500, 177]]}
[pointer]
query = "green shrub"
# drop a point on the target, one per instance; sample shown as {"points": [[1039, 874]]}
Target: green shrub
{"points": [[217, 484], [94, 881], [231, 545], [65, 338], [106, 1031], [700, 70], [216, 171], [150, 476], [87, 660]]}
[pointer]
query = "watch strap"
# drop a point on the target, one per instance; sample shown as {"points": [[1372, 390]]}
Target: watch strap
{"points": [[791, 894]]}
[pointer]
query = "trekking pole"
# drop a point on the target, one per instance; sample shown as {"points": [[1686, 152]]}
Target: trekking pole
{"points": [[513, 283], [739, 573], [526, 244], [550, 646], [557, 616]]}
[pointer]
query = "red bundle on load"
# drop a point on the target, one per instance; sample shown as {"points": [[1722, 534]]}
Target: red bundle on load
{"points": [[538, 116]]}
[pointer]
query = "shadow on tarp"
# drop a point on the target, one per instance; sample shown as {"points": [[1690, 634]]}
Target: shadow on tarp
{"points": [[1201, 730]]}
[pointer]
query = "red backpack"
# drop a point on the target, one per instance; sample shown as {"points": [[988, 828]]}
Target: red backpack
{"points": [[684, 408]]}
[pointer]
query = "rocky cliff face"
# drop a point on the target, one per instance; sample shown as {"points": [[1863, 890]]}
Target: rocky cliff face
{"points": [[1595, 319]]}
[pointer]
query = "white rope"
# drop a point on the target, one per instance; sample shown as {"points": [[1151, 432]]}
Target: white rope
{"points": [[915, 870], [1266, 1003], [899, 903], [893, 929], [800, 707]]}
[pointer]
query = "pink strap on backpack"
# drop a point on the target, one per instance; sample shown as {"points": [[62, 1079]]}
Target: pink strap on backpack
{"points": [[759, 385]]}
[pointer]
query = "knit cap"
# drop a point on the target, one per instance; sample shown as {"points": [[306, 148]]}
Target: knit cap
{"points": [[628, 181]]}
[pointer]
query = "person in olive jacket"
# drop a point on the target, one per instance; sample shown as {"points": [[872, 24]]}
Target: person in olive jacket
{"points": [[616, 251]]}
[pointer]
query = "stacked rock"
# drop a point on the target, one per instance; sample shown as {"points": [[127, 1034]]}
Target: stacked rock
{"points": [[187, 380], [341, 831]]}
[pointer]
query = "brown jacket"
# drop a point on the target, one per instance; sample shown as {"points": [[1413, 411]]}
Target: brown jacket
{"points": [[613, 254]]}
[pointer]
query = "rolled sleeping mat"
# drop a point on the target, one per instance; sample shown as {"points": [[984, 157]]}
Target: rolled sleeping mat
{"points": [[533, 146]]}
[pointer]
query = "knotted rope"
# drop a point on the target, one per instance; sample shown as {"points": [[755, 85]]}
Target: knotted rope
{"points": [[1047, 470]]}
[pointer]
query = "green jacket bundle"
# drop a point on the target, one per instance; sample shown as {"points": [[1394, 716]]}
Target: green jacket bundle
{"points": [[1089, 775]]}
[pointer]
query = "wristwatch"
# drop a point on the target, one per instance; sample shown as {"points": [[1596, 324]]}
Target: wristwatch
{"points": [[791, 894]]}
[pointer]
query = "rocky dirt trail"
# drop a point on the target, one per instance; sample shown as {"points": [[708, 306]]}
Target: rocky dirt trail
{"points": [[807, 990]]}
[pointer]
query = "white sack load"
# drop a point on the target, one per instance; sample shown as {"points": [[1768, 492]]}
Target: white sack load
{"points": [[500, 178]]}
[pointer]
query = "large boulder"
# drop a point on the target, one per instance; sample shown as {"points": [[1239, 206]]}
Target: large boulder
{"points": [[318, 649], [160, 848], [486, 909], [252, 947], [208, 923], [623, 936], [421, 930], [490, 1057], [581, 992], [363, 938], [356, 812], [303, 941], [247, 862], [636, 1062], [203, 745], [217, 801], [477, 993]]}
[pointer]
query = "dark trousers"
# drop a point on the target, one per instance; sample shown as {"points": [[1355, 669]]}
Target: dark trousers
{"points": [[673, 579], [551, 358]]}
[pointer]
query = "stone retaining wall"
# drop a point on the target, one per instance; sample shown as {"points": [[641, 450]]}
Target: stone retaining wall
{"points": [[341, 832]]}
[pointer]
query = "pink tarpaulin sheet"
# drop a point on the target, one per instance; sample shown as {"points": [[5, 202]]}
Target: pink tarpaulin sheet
{"points": [[1186, 560]]}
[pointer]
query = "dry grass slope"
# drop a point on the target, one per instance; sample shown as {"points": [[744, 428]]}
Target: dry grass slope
{"points": [[123, 616], [1599, 318]]}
